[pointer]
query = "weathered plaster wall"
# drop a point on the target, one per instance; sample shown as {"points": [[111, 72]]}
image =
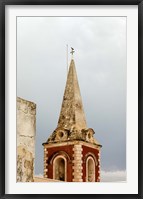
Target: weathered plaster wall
{"points": [[51, 153], [26, 128], [87, 152]]}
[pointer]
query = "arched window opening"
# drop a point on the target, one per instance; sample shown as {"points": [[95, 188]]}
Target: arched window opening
{"points": [[59, 169], [90, 170]]}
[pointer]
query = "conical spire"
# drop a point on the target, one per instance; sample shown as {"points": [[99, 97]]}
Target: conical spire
{"points": [[72, 124], [72, 113]]}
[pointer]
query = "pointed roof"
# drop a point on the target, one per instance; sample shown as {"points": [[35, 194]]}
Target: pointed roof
{"points": [[72, 124], [72, 113]]}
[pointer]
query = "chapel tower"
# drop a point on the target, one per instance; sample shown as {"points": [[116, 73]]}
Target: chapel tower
{"points": [[71, 153]]}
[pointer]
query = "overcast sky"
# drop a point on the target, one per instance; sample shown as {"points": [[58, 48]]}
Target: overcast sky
{"points": [[100, 59]]}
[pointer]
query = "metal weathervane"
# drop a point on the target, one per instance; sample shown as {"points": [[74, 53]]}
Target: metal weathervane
{"points": [[72, 51]]}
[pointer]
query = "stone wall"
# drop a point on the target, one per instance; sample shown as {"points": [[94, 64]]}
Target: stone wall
{"points": [[26, 128], [77, 163]]}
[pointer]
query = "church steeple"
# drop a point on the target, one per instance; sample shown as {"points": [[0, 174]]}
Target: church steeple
{"points": [[72, 113], [72, 153]]}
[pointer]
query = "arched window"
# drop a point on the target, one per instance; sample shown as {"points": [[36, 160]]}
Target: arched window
{"points": [[60, 168], [90, 169]]}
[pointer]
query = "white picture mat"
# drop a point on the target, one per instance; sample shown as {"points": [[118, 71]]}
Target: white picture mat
{"points": [[129, 187]]}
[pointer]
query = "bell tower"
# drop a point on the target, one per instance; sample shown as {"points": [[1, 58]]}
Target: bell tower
{"points": [[71, 153]]}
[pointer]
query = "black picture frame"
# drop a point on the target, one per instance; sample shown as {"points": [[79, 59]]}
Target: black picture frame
{"points": [[3, 3]]}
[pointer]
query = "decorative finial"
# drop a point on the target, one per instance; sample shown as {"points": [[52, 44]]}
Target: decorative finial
{"points": [[72, 51]]}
